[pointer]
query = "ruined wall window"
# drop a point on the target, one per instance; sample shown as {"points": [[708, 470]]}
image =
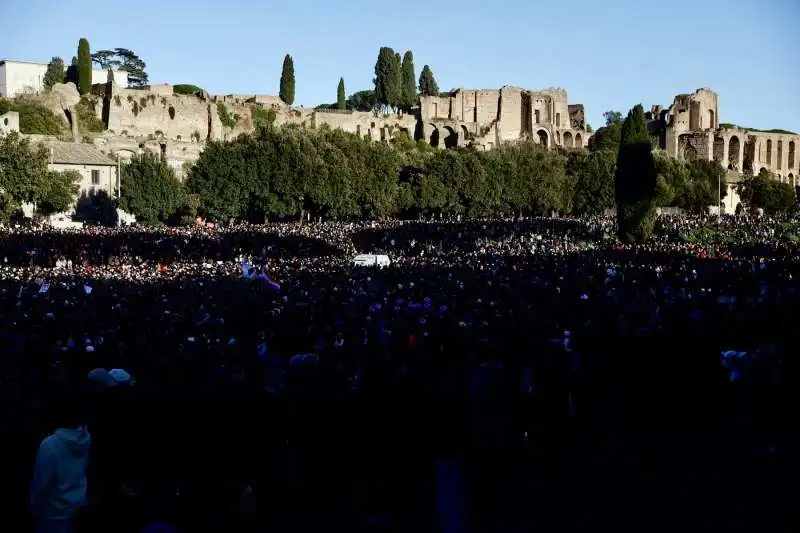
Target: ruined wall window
{"points": [[719, 149], [769, 151], [558, 120], [538, 117], [791, 154], [711, 123], [95, 177], [733, 153], [780, 154]]}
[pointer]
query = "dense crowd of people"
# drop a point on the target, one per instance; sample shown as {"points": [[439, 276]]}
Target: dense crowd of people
{"points": [[491, 354]]}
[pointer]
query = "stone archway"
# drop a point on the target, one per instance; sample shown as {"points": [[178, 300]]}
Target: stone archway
{"points": [[544, 139], [567, 139], [578, 141], [734, 149], [464, 134], [450, 137], [433, 139]]}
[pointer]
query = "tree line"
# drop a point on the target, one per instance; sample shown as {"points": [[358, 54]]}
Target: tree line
{"points": [[289, 172]]}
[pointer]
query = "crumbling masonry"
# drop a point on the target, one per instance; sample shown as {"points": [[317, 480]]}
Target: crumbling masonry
{"points": [[690, 129]]}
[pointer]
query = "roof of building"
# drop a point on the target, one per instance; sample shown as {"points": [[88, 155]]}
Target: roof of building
{"points": [[65, 153], [4, 61]]}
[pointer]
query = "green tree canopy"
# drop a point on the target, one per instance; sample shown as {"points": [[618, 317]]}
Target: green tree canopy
{"points": [[24, 177], [427, 83], [635, 179], [126, 61], [341, 100], [409, 82], [764, 191], [287, 80], [150, 189], [56, 73], [84, 67], [387, 78]]}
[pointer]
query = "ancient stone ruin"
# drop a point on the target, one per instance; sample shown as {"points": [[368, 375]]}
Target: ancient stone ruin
{"points": [[690, 129]]}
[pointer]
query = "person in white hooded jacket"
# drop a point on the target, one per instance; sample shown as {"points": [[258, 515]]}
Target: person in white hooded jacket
{"points": [[58, 488]]}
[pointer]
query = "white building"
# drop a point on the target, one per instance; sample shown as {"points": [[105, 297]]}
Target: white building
{"points": [[98, 171], [20, 77]]}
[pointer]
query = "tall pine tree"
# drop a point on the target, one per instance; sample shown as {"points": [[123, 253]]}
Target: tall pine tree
{"points": [[341, 99], [84, 67], [427, 83], [409, 89], [287, 80], [635, 180], [387, 78]]}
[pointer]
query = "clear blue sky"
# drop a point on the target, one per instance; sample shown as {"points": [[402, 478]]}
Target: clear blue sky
{"points": [[607, 54]]}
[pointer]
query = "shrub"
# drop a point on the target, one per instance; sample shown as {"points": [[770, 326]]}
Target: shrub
{"points": [[171, 113], [224, 116], [186, 89], [87, 119], [34, 118], [135, 108], [142, 102], [262, 117]]}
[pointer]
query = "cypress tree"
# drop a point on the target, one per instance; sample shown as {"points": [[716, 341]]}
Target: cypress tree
{"points": [[84, 67], [409, 81], [341, 101], [397, 84], [427, 83], [72, 72], [635, 179], [287, 80], [386, 78]]}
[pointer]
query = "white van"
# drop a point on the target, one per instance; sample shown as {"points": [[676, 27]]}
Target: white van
{"points": [[371, 260]]}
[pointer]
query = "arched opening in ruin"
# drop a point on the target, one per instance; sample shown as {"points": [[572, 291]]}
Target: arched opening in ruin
{"points": [[543, 138], [433, 139], [791, 154], [567, 139], [719, 149], [733, 153], [779, 162], [689, 153], [769, 151], [558, 137], [763, 170], [791, 180], [450, 137], [749, 154], [464, 134], [711, 123], [578, 141]]}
